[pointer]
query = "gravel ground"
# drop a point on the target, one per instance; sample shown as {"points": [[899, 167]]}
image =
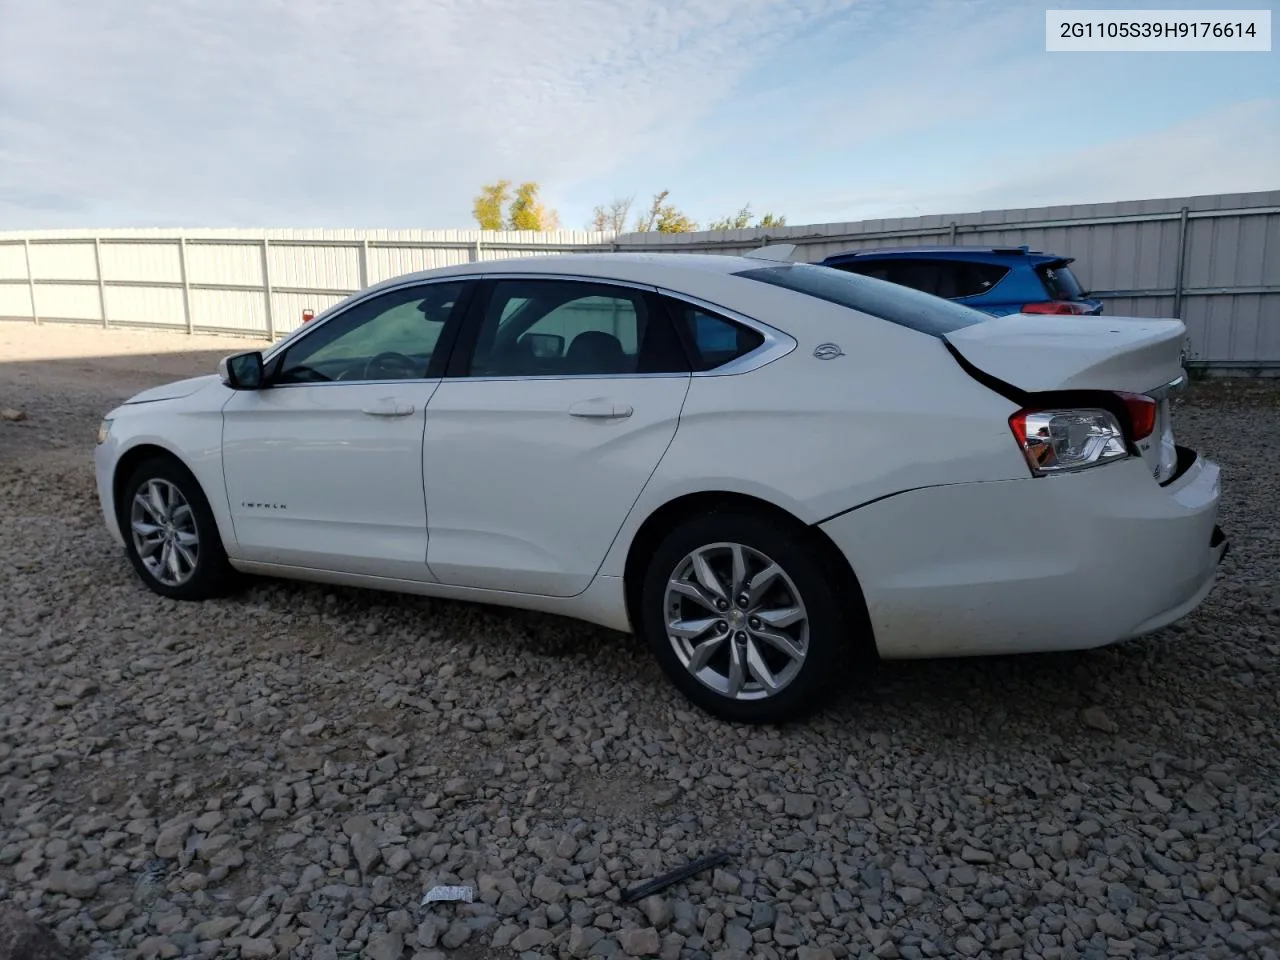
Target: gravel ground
{"points": [[284, 772]]}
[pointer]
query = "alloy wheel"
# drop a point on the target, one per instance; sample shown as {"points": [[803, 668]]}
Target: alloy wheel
{"points": [[736, 621], [164, 532]]}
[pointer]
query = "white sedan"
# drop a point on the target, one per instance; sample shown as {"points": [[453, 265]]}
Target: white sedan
{"points": [[768, 470]]}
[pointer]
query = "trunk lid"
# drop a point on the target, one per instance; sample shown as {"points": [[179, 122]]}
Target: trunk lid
{"points": [[1038, 354]]}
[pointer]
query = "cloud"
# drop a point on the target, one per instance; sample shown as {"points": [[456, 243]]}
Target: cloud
{"points": [[337, 112]]}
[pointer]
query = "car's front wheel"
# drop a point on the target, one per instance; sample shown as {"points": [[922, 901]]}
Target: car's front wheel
{"points": [[170, 534], [743, 618]]}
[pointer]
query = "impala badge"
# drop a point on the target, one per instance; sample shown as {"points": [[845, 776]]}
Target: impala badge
{"points": [[827, 351]]}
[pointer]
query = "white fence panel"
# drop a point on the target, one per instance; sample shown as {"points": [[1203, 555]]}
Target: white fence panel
{"points": [[1210, 260], [149, 306], [229, 310], [64, 261], [65, 301], [234, 264], [153, 262]]}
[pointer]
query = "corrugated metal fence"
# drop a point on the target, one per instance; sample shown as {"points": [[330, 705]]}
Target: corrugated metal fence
{"points": [[1213, 261]]}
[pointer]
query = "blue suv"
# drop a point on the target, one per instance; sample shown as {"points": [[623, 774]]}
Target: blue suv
{"points": [[995, 280]]}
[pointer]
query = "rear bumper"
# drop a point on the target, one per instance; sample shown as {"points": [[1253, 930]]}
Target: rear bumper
{"points": [[1054, 563]]}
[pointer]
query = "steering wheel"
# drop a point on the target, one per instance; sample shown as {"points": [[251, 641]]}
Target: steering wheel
{"points": [[390, 357]]}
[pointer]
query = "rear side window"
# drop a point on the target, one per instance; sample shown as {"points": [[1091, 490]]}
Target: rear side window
{"points": [[952, 279], [888, 301], [1059, 282], [712, 340]]}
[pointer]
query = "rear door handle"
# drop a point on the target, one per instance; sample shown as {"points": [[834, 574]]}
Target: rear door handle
{"points": [[600, 408], [388, 408]]}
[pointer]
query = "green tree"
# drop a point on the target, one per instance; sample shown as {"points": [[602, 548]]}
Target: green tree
{"points": [[499, 208], [664, 217], [487, 207], [527, 212], [742, 219]]}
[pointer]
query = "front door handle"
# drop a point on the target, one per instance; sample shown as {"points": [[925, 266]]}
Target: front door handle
{"points": [[600, 408], [389, 408]]}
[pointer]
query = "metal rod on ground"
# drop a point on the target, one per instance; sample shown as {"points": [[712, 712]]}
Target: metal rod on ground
{"points": [[674, 876]]}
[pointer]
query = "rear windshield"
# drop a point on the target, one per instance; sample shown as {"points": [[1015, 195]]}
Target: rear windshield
{"points": [[1059, 282], [879, 298]]}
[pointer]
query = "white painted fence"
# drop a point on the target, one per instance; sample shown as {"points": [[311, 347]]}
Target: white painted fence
{"points": [[1213, 261]]}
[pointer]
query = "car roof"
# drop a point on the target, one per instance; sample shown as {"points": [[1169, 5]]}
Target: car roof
{"points": [[1003, 254], [637, 267]]}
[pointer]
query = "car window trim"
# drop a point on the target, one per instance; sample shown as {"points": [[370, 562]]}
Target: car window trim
{"points": [[440, 356], [460, 362], [776, 344]]}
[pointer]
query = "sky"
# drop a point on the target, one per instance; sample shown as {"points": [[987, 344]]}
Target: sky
{"points": [[393, 113]]}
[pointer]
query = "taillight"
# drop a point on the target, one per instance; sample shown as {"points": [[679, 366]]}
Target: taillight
{"points": [[1142, 414], [1059, 441], [1056, 307]]}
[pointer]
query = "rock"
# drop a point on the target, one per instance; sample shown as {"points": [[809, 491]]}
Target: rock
{"points": [[1097, 718], [216, 929], [657, 909], [532, 938], [171, 841], [582, 939], [724, 882], [459, 932], [457, 787], [12, 414], [22, 938], [798, 805], [974, 855], [858, 807], [364, 847], [640, 942], [384, 946], [73, 884], [547, 890], [763, 916], [737, 937], [259, 949]]}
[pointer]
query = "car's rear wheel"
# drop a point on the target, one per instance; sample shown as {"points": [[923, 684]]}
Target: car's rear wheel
{"points": [[170, 534], [742, 617]]}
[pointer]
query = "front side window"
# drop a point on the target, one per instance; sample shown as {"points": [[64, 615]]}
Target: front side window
{"points": [[389, 337], [557, 328], [888, 301]]}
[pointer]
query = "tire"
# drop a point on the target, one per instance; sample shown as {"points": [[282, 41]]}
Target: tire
{"points": [[705, 674], [186, 539]]}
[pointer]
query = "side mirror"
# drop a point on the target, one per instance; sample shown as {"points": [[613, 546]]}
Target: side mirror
{"points": [[242, 371], [545, 345]]}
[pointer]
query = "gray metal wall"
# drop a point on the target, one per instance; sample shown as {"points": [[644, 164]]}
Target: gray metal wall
{"points": [[1213, 261]]}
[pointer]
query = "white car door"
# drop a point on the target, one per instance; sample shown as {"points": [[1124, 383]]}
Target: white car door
{"points": [[323, 467], [562, 397]]}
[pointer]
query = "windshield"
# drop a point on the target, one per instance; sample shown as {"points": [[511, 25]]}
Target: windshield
{"points": [[879, 298], [1059, 282]]}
